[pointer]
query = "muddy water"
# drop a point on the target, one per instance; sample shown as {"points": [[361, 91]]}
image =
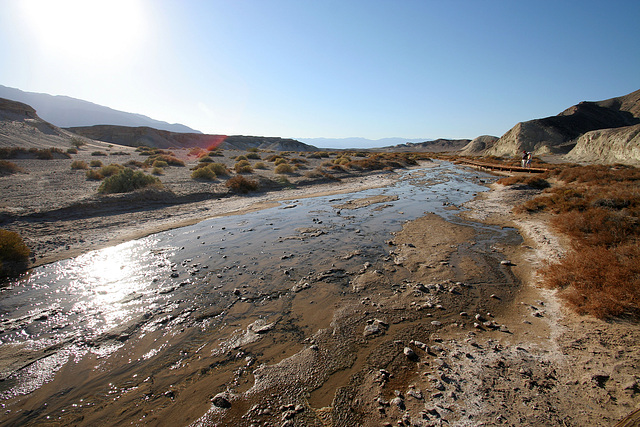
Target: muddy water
{"points": [[168, 320]]}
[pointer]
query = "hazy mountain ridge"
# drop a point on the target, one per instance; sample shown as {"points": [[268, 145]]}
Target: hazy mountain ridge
{"points": [[64, 111], [137, 136], [359, 142]]}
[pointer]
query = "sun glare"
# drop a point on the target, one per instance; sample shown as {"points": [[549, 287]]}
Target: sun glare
{"points": [[89, 30]]}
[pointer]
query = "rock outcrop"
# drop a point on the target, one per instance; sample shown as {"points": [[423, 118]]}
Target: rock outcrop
{"points": [[559, 134], [20, 126], [619, 145], [436, 146]]}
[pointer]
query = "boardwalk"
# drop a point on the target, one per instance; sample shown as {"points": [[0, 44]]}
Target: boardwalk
{"points": [[501, 167]]}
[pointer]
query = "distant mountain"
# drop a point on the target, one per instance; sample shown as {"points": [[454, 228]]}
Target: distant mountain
{"points": [[436, 146], [137, 136], [64, 111], [559, 134], [356, 142]]}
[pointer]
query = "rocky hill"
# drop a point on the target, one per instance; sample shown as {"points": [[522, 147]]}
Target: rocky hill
{"points": [[618, 145], [20, 126], [559, 134], [137, 136], [479, 145]]}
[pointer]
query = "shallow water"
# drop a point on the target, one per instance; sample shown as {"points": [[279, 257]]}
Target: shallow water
{"points": [[191, 278]]}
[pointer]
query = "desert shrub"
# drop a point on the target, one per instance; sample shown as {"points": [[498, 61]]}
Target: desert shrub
{"points": [[536, 182], [283, 168], [111, 169], [344, 160], [94, 175], [134, 164], [8, 168], [157, 171], [216, 153], [164, 157], [72, 151], [240, 158], [11, 152], [79, 164], [253, 156], [243, 166], [598, 226], [47, 153], [126, 181], [14, 253], [205, 159], [273, 158], [240, 184], [95, 163], [160, 164], [98, 153], [119, 153], [280, 161], [77, 142], [252, 150], [260, 165], [603, 282], [204, 173], [219, 169]]}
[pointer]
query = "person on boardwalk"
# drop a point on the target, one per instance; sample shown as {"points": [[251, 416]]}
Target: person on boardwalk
{"points": [[524, 158], [528, 162]]}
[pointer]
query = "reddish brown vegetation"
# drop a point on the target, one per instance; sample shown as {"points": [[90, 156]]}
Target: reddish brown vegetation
{"points": [[599, 208]]}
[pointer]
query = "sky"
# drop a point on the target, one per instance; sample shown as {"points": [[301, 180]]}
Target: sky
{"points": [[326, 68]]}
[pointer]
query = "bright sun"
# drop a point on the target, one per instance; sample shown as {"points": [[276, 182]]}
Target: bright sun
{"points": [[90, 30]]}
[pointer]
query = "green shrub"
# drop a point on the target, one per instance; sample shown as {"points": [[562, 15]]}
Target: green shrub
{"points": [[94, 175], [240, 158], [240, 184], [253, 156], [283, 168], [98, 153], [134, 163], [243, 166], [252, 150], [95, 163], [280, 161], [79, 164], [160, 164], [72, 151], [14, 254], [127, 180], [219, 169], [204, 173], [206, 159], [157, 171], [260, 165], [111, 169]]}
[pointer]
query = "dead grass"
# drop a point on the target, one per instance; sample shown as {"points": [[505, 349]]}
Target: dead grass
{"points": [[598, 207], [9, 168], [240, 184]]}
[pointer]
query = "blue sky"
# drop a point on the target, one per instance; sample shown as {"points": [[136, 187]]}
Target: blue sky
{"points": [[311, 68]]}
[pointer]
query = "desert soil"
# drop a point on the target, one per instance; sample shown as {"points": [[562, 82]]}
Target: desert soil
{"points": [[449, 329]]}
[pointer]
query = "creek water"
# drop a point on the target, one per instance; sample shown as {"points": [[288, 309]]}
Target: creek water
{"points": [[189, 278]]}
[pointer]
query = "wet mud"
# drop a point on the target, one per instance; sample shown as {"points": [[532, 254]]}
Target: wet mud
{"points": [[320, 311]]}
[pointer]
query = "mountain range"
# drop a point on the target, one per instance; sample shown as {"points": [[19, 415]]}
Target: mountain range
{"points": [[64, 111]]}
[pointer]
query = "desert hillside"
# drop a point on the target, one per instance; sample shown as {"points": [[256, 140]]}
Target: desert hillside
{"points": [[20, 126], [618, 145], [436, 146], [138, 136], [479, 145], [559, 134]]}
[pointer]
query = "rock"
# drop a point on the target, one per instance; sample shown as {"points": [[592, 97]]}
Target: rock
{"points": [[436, 323], [415, 393], [506, 262], [221, 401], [410, 354], [399, 402]]}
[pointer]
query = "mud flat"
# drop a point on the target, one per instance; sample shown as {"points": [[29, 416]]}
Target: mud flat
{"points": [[385, 312]]}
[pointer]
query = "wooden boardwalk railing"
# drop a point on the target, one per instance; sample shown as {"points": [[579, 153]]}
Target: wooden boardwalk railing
{"points": [[500, 167]]}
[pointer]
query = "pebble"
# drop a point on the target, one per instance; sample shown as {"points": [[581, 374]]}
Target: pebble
{"points": [[220, 400], [411, 355]]}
